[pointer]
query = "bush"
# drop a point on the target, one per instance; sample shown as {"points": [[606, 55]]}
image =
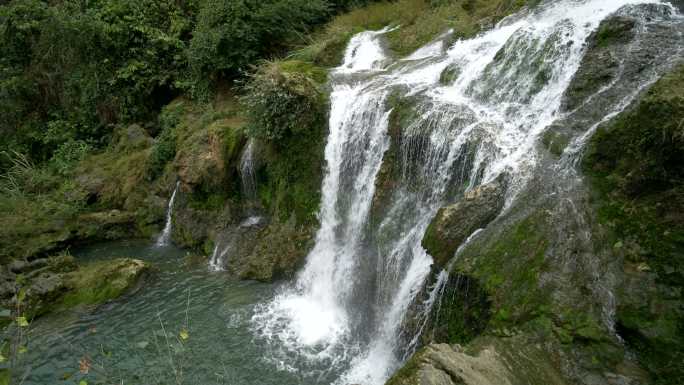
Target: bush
{"points": [[68, 154], [284, 99], [77, 67], [231, 35], [164, 149]]}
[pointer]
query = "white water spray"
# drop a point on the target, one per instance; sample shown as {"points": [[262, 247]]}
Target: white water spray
{"points": [[248, 170], [347, 309], [165, 236]]}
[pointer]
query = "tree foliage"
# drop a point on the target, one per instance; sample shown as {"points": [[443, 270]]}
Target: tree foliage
{"points": [[72, 70]]}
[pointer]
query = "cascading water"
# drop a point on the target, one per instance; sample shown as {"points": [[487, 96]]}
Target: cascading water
{"points": [[165, 236], [347, 308], [248, 171], [227, 242]]}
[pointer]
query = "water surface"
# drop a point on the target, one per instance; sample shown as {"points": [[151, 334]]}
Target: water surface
{"points": [[137, 339]]}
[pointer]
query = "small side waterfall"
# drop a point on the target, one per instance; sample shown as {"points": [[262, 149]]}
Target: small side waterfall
{"points": [[165, 237], [228, 242], [248, 171], [346, 311]]}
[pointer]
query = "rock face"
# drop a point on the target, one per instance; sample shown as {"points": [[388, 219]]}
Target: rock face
{"points": [[442, 364], [454, 224], [58, 283], [601, 65], [279, 251]]}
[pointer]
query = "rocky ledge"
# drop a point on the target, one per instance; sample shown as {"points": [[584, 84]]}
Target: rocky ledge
{"points": [[33, 288], [455, 223]]}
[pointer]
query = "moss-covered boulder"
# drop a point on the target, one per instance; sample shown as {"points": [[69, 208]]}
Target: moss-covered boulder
{"points": [[207, 157], [455, 223], [280, 250], [101, 281], [601, 64], [43, 285], [490, 361]]}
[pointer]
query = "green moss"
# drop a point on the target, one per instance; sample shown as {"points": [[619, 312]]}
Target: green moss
{"points": [[509, 270], [406, 374], [463, 312], [287, 113], [612, 32], [555, 142], [289, 182], [634, 166], [420, 21], [101, 281]]}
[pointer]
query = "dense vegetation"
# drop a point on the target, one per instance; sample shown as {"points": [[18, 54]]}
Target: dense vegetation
{"points": [[70, 70]]}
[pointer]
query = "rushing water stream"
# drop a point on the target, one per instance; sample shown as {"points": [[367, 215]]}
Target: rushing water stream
{"points": [[348, 307]]}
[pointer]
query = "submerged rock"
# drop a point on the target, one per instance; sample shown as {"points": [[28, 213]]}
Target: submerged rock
{"points": [[455, 223]]}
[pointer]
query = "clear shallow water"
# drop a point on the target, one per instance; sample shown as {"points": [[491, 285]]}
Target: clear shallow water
{"points": [[125, 341]]}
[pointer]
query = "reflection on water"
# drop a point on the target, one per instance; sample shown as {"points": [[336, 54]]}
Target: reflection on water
{"points": [[137, 339]]}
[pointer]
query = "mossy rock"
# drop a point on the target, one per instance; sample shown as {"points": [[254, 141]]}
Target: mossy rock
{"points": [[463, 313], [555, 141], [508, 264], [455, 223], [634, 168], [59, 283], [101, 281], [600, 65], [280, 250], [490, 361]]}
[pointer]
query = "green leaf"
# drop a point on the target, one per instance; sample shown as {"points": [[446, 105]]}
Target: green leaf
{"points": [[21, 295], [184, 334], [23, 349], [2, 358], [5, 377], [22, 322], [83, 382]]}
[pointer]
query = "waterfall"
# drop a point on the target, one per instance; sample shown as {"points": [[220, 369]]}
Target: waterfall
{"points": [[229, 240], [248, 171], [346, 310], [165, 236]]}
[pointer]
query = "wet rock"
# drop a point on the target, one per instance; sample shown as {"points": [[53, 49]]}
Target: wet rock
{"points": [[454, 224], [601, 64], [18, 266], [43, 292], [280, 250], [101, 281], [112, 224], [450, 74], [58, 283], [206, 159], [442, 364], [679, 4]]}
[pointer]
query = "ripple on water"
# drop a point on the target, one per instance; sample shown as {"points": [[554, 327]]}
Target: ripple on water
{"points": [[124, 340]]}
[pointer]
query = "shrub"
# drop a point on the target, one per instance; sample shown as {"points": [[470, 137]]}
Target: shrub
{"points": [[231, 35], [164, 149], [68, 154], [284, 99], [77, 67]]}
